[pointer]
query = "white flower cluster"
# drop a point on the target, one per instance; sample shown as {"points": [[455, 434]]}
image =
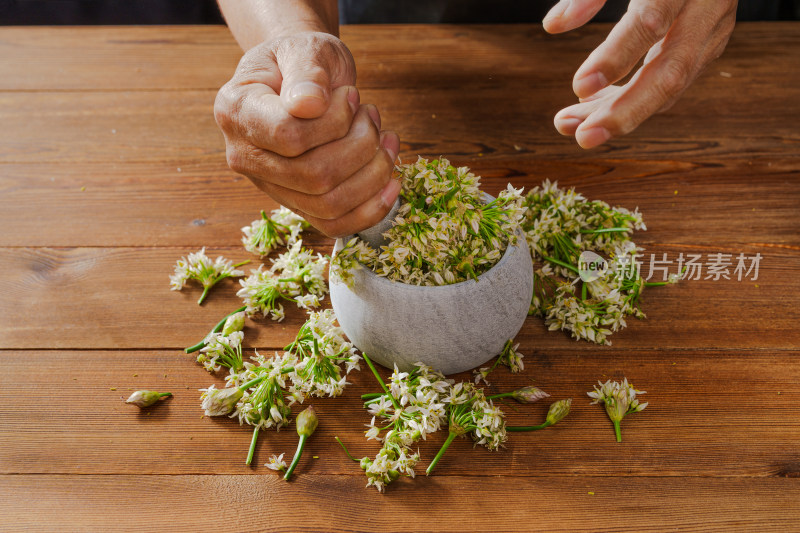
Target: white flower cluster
{"points": [[267, 233], [295, 276], [470, 412], [411, 411], [618, 398], [419, 403], [260, 393], [199, 267], [222, 350], [321, 349], [444, 231], [561, 224]]}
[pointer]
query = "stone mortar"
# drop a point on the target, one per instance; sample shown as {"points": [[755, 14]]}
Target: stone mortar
{"points": [[452, 328]]}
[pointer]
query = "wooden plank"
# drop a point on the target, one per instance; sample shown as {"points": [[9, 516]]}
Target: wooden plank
{"points": [[193, 204], [119, 298], [119, 128], [711, 413], [194, 503], [185, 57]]}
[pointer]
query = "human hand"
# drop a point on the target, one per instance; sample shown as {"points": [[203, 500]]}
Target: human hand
{"points": [[677, 38], [293, 124]]}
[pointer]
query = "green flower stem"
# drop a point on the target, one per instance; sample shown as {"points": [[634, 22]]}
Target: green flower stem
{"points": [[383, 385], [528, 428], [606, 230], [162, 394], [617, 430], [371, 395], [205, 293], [656, 283], [560, 263], [345, 449], [237, 265], [200, 345], [252, 382], [439, 455], [252, 446], [297, 454], [584, 287], [501, 395]]}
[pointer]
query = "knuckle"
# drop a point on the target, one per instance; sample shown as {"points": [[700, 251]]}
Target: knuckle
{"points": [[287, 138], [653, 21], [329, 206], [674, 76], [225, 106], [318, 178], [237, 161]]}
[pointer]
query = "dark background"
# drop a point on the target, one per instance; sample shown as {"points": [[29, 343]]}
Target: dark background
{"points": [[90, 12]]}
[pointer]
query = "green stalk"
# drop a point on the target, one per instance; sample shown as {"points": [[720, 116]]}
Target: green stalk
{"points": [[605, 230], [583, 290], [378, 377], [345, 449], [439, 455], [200, 345], [616, 430], [252, 446], [237, 265], [501, 395], [205, 293], [656, 283], [561, 263], [371, 395], [254, 381], [297, 454], [528, 428], [162, 394]]}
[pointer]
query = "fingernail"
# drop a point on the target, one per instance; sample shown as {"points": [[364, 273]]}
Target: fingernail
{"points": [[307, 89], [374, 115], [589, 84], [589, 138], [391, 144], [353, 98], [390, 192], [567, 125], [558, 10]]}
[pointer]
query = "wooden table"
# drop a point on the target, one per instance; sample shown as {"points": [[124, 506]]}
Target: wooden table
{"points": [[111, 168]]}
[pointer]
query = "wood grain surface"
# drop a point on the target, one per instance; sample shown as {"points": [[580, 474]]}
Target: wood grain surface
{"points": [[111, 168]]}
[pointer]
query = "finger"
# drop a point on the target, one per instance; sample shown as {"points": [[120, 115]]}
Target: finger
{"points": [[658, 83], [310, 71], [570, 14], [319, 170], [262, 119], [363, 216], [570, 118], [645, 23], [354, 191]]}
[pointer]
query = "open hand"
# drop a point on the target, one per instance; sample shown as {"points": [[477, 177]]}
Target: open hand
{"points": [[677, 38]]}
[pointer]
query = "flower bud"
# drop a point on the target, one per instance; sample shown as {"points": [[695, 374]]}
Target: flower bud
{"points": [[558, 410], [233, 323], [146, 398], [529, 394], [307, 422], [217, 402], [365, 463]]}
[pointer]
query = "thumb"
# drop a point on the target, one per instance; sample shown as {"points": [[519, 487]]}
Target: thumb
{"points": [[311, 67], [305, 90]]}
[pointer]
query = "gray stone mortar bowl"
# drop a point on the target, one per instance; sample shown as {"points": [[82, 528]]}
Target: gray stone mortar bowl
{"points": [[452, 328]]}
